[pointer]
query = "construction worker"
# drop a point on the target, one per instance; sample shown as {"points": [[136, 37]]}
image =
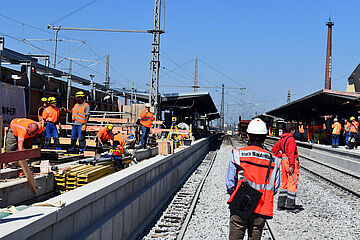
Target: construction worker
{"points": [[252, 169], [310, 131], [286, 149], [346, 131], [80, 116], [146, 119], [105, 134], [354, 127], [301, 131], [124, 140], [336, 133], [21, 133], [44, 104], [51, 116]]}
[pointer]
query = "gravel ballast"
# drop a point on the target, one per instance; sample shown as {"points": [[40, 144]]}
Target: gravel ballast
{"points": [[328, 212]]}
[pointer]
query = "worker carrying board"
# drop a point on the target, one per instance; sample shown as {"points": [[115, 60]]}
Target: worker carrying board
{"points": [[80, 116], [21, 133], [252, 179]]}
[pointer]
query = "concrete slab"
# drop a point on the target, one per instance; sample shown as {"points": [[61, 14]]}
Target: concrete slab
{"points": [[8, 173], [64, 229], [82, 219], [97, 209], [118, 225], [107, 230]]}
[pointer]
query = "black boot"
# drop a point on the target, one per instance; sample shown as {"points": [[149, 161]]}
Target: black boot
{"points": [[47, 143], [57, 144], [72, 145]]}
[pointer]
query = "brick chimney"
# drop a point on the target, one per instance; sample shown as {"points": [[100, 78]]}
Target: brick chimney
{"points": [[328, 56]]}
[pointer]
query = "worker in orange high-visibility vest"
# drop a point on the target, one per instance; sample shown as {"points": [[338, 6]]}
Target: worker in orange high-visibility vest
{"points": [[21, 133], [146, 119], [51, 116], [346, 131], [80, 116], [124, 141], [336, 133], [44, 104], [354, 127], [104, 135], [301, 131], [252, 179], [286, 149]]}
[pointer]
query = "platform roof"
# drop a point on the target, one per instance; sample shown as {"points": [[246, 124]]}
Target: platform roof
{"points": [[323, 102], [202, 101]]}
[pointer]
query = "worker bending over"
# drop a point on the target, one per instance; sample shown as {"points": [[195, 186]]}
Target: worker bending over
{"points": [[286, 149], [125, 141], [41, 109], [21, 133], [336, 133], [252, 179], [80, 115], [146, 119], [51, 117], [105, 134]]}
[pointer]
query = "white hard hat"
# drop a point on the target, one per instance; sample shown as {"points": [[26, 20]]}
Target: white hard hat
{"points": [[257, 126], [335, 119], [147, 105]]}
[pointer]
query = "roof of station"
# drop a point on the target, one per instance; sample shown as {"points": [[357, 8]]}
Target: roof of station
{"points": [[323, 102], [201, 101]]}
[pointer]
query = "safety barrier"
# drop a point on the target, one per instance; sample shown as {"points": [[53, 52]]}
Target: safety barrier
{"points": [[118, 206]]}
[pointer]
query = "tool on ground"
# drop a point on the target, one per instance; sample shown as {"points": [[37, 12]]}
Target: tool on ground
{"points": [[294, 178], [174, 129]]}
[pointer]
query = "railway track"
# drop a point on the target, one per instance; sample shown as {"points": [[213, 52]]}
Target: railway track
{"points": [[345, 181], [175, 219]]}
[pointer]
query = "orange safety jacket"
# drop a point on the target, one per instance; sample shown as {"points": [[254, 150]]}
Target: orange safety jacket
{"points": [[51, 114], [19, 127], [146, 118], [121, 138], [301, 128], [78, 112], [354, 127], [253, 163], [336, 128], [104, 135], [40, 113]]}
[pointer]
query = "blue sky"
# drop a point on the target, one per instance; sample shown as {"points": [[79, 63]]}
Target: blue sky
{"points": [[269, 47]]}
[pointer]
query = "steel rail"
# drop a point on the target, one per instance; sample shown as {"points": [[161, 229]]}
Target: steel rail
{"points": [[271, 229], [186, 222]]}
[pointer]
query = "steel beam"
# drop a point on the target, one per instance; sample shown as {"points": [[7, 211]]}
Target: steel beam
{"points": [[19, 155]]}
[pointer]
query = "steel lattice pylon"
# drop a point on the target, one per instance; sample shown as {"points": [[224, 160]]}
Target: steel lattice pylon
{"points": [[155, 60]]}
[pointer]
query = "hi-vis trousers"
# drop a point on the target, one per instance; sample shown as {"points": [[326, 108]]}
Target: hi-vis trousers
{"points": [[287, 192]]}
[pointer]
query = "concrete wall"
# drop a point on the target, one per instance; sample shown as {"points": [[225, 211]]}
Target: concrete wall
{"points": [[118, 206]]}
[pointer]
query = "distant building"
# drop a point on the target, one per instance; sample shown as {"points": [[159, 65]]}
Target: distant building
{"points": [[354, 81]]}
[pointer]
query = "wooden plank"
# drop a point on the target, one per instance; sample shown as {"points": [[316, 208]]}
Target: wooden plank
{"points": [[108, 120], [160, 130], [29, 176], [19, 155], [91, 128], [65, 141]]}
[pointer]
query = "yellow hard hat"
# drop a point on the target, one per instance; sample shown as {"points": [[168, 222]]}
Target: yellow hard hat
{"points": [[80, 94], [44, 99], [52, 100], [352, 118], [110, 126]]}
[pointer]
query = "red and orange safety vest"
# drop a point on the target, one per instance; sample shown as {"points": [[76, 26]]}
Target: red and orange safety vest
{"points": [[51, 114], [19, 127], [104, 135], [146, 118], [336, 128], [354, 126], [253, 163], [78, 112], [121, 138]]}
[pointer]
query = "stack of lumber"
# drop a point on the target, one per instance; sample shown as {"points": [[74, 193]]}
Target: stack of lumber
{"points": [[165, 147]]}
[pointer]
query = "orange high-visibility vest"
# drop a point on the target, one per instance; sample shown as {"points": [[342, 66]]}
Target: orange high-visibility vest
{"points": [[121, 138], [146, 118], [354, 126], [40, 112], [51, 114], [78, 112], [301, 128], [104, 135], [19, 126], [336, 128], [253, 163]]}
